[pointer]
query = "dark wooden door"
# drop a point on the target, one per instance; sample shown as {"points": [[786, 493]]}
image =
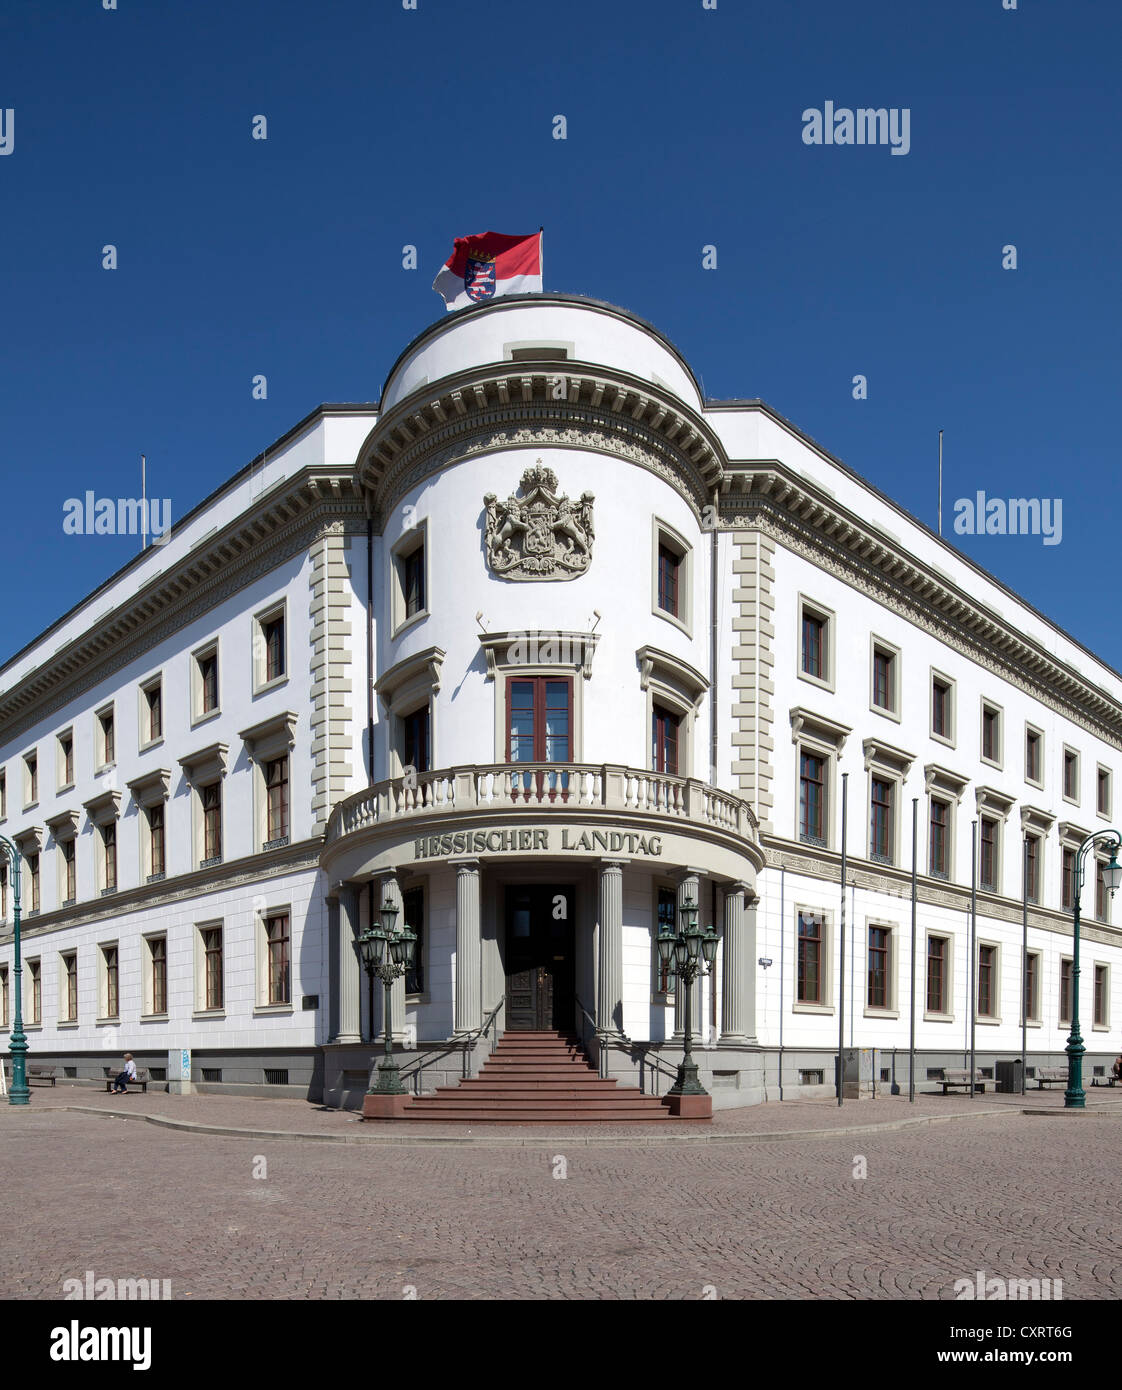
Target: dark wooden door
{"points": [[540, 975]]}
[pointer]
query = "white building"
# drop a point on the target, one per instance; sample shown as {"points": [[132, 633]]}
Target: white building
{"points": [[681, 621]]}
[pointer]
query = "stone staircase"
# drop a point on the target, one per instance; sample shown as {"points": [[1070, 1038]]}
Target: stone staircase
{"points": [[537, 1078]]}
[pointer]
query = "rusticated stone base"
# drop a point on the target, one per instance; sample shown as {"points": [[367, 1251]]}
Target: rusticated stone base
{"points": [[385, 1107], [689, 1107]]}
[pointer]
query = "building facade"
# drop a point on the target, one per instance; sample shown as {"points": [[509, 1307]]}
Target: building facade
{"points": [[543, 649]]}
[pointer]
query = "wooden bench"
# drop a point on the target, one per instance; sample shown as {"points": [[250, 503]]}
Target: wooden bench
{"points": [[143, 1076], [37, 1072], [962, 1078], [1044, 1075], [1111, 1080]]}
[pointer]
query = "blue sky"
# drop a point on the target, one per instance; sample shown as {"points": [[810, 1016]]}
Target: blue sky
{"points": [[389, 126]]}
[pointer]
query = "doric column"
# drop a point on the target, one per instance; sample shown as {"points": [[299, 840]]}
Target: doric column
{"points": [[689, 888], [468, 946], [350, 971], [738, 1004], [609, 996]]}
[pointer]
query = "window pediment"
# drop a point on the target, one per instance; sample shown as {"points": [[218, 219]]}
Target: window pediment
{"points": [[570, 651], [152, 788], [272, 738], [885, 755], [207, 765], [993, 802], [1072, 836], [64, 826], [818, 726], [103, 809], [943, 780], [1033, 818], [410, 681], [29, 840], [670, 671]]}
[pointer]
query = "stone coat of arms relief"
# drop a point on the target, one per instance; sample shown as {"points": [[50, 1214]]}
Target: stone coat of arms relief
{"points": [[538, 535]]}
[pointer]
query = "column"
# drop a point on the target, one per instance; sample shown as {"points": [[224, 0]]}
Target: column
{"points": [[468, 1013], [391, 893], [609, 994], [689, 887], [350, 971], [738, 1000]]}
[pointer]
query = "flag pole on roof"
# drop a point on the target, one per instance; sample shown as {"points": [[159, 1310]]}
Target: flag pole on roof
{"points": [[487, 264], [541, 255]]}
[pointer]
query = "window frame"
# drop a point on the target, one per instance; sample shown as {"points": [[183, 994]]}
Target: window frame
{"points": [[824, 1003], [1031, 730], [665, 536], [827, 616], [262, 621], [31, 778], [64, 754], [1102, 772], [34, 967], [412, 539], [1100, 1021], [410, 895], [199, 713], [1066, 991], [940, 677], [105, 737], [203, 979], [994, 884], [109, 981], [1067, 752], [946, 1013], [151, 1001], [993, 1015], [1030, 988], [153, 685], [890, 1007], [996, 758], [878, 646], [68, 987]]}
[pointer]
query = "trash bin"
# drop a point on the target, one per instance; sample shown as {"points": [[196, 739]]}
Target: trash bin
{"points": [[1008, 1076]]}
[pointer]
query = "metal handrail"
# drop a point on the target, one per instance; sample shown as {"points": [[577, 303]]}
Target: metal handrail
{"points": [[460, 1040]]}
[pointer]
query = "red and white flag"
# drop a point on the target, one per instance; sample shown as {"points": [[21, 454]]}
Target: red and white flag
{"points": [[488, 264]]}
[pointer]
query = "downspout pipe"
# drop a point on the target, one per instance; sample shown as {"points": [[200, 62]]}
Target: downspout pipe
{"points": [[369, 647], [713, 641]]}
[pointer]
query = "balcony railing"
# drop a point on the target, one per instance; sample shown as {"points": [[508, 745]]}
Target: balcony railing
{"points": [[572, 786]]}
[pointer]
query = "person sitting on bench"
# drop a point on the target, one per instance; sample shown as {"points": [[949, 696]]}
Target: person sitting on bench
{"points": [[120, 1086], [1117, 1068]]}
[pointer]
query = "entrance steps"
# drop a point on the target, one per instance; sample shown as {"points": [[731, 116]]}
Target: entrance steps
{"points": [[538, 1078]]}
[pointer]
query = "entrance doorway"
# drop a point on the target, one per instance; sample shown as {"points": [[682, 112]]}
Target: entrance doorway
{"points": [[540, 974]]}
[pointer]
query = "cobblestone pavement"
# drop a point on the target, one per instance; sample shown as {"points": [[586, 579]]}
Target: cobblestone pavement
{"points": [[1016, 1196]]}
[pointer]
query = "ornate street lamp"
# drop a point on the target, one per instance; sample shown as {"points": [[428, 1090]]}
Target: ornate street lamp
{"points": [[687, 954], [388, 954], [20, 1094], [1074, 1096]]}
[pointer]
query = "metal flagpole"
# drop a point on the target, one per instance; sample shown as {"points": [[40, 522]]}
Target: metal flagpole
{"points": [[940, 482], [841, 952], [541, 255], [144, 502], [912, 1029], [973, 945], [1025, 1000]]}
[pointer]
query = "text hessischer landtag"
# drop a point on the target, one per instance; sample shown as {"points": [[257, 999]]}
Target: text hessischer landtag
{"points": [[569, 839]]}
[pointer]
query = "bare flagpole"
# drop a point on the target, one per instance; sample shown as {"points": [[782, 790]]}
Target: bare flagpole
{"points": [[541, 255], [144, 502], [940, 482]]}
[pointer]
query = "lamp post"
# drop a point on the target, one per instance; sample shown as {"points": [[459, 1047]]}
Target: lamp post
{"points": [[388, 954], [1074, 1097], [20, 1094], [688, 953]]}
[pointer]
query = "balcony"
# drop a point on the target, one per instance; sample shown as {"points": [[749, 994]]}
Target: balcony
{"points": [[581, 788]]}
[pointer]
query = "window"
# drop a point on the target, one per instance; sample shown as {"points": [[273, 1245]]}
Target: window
{"points": [[276, 791], [35, 980], [109, 857], [1065, 991], [942, 708], [65, 760], [270, 657], [938, 851], [1071, 775], [669, 563], [31, 779], [664, 741], [987, 859], [158, 974], [4, 891], [881, 826], [70, 987], [3, 796], [272, 632], [885, 677], [152, 713], [879, 939], [1034, 759], [4, 997], [539, 719], [937, 966], [413, 581], [1032, 986], [671, 589], [207, 672], [1103, 796], [1067, 878], [1102, 897], [212, 822], [33, 903], [415, 739], [106, 738], [1102, 996], [991, 734], [815, 649], [156, 859], [69, 872], [1032, 868], [279, 945], [987, 981], [667, 914], [110, 977], [413, 915], [812, 798], [212, 967], [809, 983]]}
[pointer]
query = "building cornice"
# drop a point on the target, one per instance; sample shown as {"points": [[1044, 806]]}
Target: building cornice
{"points": [[282, 522], [798, 514], [512, 405]]}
